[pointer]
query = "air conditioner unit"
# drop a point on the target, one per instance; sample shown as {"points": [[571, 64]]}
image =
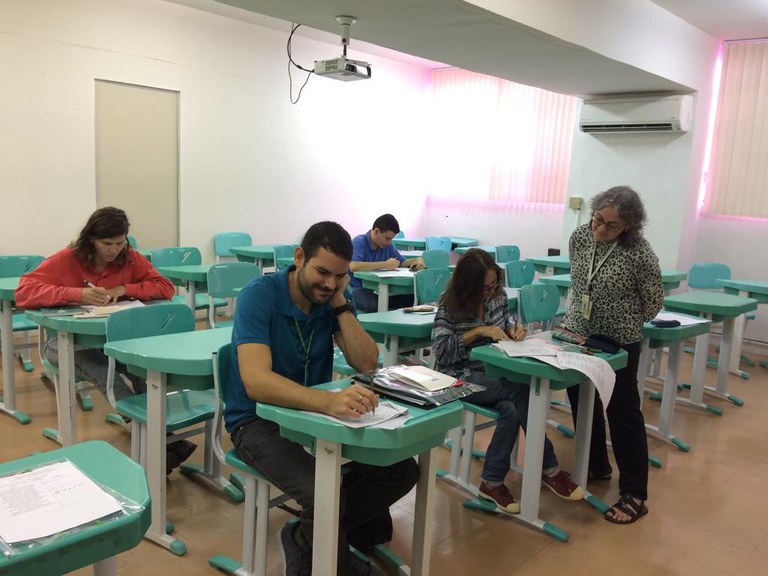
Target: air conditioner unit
{"points": [[636, 114]]}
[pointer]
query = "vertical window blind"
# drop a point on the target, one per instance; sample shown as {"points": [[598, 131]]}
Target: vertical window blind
{"points": [[498, 140]]}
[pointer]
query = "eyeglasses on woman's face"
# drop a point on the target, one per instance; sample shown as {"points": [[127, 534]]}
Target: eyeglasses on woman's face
{"points": [[612, 226], [491, 283]]}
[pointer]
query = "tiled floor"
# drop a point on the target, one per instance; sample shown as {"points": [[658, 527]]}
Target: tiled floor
{"points": [[708, 508]]}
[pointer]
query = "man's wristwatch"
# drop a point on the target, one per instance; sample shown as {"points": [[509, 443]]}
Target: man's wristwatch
{"points": [[347, 307]]}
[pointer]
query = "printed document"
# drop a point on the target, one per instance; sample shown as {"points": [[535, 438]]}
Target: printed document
{"points": [[684, 319], [100, 311], [387, 415]]}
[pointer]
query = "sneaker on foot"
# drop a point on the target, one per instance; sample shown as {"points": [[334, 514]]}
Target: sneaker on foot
{"points": [[182, 448], [501, 496], [297, 560], [171, 462], [563, 485]]}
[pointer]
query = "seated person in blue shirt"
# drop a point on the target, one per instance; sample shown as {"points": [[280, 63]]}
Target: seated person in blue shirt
{"points": [[282, 344], [374, 251]]}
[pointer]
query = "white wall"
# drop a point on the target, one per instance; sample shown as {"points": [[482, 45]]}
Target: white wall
{"points": [[249, 160]]}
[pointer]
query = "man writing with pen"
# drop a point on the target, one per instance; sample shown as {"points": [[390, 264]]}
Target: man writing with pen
{"points": [[374, 251], [282, 345], [98, 268]]}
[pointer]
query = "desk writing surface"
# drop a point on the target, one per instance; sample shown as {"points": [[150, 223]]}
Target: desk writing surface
{"points": [[424, 430], [263, 252], [415, 243], [107, 467], [194, 272], [187, 353], [542, 263], [753, 288], [660, 336], [497, 363], [717, 304], [8, 287], [461, 249], [413, 324], [397, 284], [79, 326], [461, 242], [559, 280]]}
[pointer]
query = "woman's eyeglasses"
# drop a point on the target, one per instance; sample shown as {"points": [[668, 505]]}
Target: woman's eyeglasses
{"points": [[610, 226]]}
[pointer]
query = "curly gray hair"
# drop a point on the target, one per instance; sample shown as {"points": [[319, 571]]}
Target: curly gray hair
{"points": [[629, 208]]}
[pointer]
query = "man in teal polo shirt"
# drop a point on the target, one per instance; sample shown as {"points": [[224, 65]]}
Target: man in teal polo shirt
{"points": [[374, 251], [282, 343]]}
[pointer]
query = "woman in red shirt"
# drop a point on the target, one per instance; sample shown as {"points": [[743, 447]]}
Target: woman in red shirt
{"points": [[97, 269]]}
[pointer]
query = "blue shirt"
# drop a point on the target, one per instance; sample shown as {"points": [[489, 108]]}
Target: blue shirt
{"points": [[266, 315], [362, 252]]}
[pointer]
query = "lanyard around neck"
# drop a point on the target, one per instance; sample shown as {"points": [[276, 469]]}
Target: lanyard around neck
{"points": [[593, 273], [306, 346]]}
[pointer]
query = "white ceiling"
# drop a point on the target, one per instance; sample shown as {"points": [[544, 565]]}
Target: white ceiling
{"points": [[457, 33]]}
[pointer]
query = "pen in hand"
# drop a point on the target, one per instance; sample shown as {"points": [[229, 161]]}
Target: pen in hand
{"points": [[91, 285], [368, 385]]}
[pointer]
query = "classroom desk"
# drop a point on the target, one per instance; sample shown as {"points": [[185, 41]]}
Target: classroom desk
{"points": [[263, 255], [72, 333], [386, 285], [186, 355], [749, 289], [398, 331], [543, 379], [99, 543], [415, 243], [195, 277], [8, 399], [332, 442], [657, 338], [550, 265], [490, 249], [562, 281], [717, 307]]}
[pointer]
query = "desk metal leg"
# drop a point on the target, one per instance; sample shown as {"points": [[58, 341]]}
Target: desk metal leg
{"points": [[191, 301], [325, 544], [422, 517], [156, 407], [723, 367], [383, 297], [65, 393], [664, 429], [106, 567], [391, 346], [8, 400], [735, 357]]}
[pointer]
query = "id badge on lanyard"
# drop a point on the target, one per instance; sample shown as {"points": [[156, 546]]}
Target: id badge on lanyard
{"points": [[586, 299]]}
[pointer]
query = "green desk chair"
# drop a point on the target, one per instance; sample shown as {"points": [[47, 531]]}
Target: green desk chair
{"points": [[429, 284], [438, 243], [13, 267], [224, 281], [189, 402], [254, 485], [519, 273], [705, 276], [223, 241], [179, 257], [507, 253], [283, 251], [132, 241], [436, 258], [400, 234]]}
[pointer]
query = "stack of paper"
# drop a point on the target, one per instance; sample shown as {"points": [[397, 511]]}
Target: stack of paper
{"points": [[423, 377], [104, 311]]}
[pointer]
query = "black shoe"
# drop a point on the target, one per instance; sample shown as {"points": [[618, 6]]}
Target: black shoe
{"points": [[356, 566], [183, 449], [604, 474], [297, 560], [172, 462]]}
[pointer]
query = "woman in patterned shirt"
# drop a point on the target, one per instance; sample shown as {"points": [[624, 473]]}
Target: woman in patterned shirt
{"points": [[473, 311], [615, 288]]}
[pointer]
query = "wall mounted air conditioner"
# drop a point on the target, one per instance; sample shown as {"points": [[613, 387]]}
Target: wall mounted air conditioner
{"points": [[636, 114]]}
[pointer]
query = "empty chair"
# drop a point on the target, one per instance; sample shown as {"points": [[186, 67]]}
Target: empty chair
{"points": [[506, 254], [429, 284], [704, 275], [519, 273], [436, 258], [223, 241], [224, 281], [438, 243], [284, 251], [539, 304], [12, 267], [255, 486]]}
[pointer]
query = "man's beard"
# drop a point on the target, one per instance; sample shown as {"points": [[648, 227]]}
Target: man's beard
{"points": [[307, 289]]}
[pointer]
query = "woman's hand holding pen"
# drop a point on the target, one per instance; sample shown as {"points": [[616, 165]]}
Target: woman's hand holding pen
{"points": [[518, 332], [94, 296]]}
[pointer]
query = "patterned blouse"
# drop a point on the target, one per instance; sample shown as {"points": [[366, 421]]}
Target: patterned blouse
{"points": [[626, 289], [448, 337]]}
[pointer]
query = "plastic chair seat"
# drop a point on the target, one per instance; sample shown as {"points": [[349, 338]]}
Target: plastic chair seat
{"points": [[201, 301], [21, 323], [231, 458], [184, 408]]}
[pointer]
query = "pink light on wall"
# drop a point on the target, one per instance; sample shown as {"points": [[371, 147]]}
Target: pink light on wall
{"points": [[716, 76]]}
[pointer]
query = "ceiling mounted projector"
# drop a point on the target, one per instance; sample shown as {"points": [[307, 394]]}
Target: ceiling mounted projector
{"points": [[343, 68]]}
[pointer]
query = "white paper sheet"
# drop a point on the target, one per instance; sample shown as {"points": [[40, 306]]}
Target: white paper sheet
{"points": [[532, 347], [50, 499], [404, 272], [684, 319], [99, 311], [596, 369], [387, 415]]}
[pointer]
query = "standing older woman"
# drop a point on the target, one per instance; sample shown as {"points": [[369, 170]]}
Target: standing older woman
{"points": [[473, 311], [616, 287]]}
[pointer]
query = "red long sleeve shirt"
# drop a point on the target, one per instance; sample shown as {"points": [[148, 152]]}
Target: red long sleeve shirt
{"points": [[60, 278]]}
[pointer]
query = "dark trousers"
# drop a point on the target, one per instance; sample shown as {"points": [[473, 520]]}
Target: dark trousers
{"points": [[367, 491], [630, 444]]}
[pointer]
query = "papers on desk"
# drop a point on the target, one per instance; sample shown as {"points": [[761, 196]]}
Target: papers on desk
{"points": [[532, 347], [596, 369], [104, 311], [387, 416], [50, 499], [386, 381], [423, 377], [684, 319], [404, 272], [420, 309]]}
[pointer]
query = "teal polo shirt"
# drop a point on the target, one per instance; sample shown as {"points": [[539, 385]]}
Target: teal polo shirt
{"points": [[301, 344]]}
